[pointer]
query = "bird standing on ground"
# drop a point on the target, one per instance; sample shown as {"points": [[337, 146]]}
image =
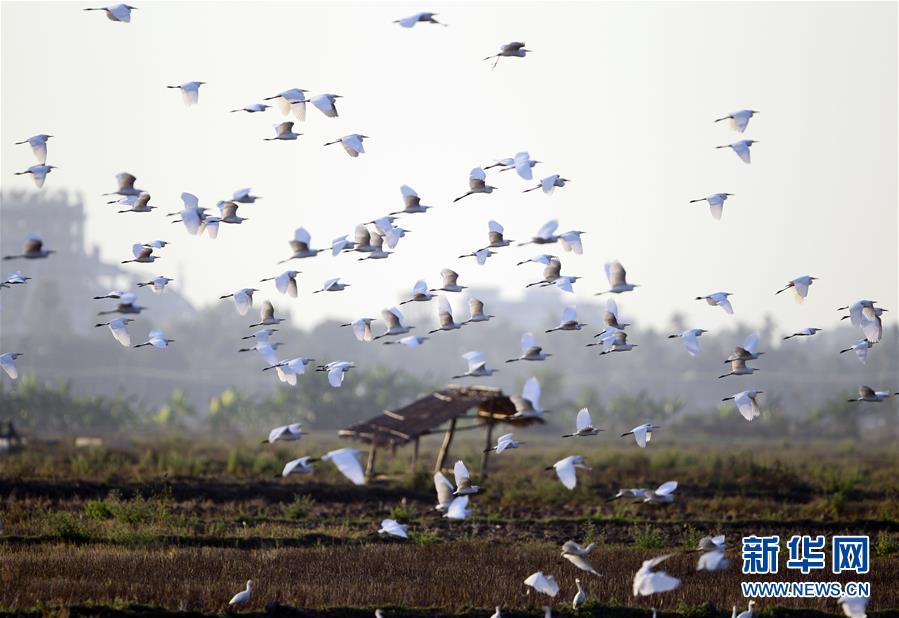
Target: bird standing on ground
{"points": [[243, 597], [580, 598]]}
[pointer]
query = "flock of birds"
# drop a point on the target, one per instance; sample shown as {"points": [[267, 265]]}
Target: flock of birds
{"points": [[368, 243]]}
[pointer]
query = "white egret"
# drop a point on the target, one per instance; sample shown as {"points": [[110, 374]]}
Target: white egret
{"points": [[747, 350], [749, 611], [119, 329], [691, 339], [617, 278], [800, 287], [527, 405], [860, 348], [142, 254], [566, 469], [157, 244], [285, 433], [252, 108], [642, 433], [283, 131], [458, 508], [332, 285], [244, 196], [228, 211], [515, 49], [157, 340], [647, 581], [294, 100], [741, 148], [136, 203], [287, 370], [302, 465], [300, 245], [530, 351], [267, 316], [8, 363], [38, 173], [746, 403], [375, 248], [445, 317], [243, 299], [450, 282], [243, 597], [395, 323], [126, 185], [543, 258], [445, 490], [336, 371], [476, 311], [352, 143], [477, 366], [16, 278], [480, 255], [326, 104], [580, 598], [497, 613], [663, 494], [715, 202], [126, 303], [718, 299], [552, 272], [347, 461], [463, 480], [411, 201], [262, 334], [739, 119], [571, 241], [544, 584], [615, 341], [268, 351], [116, 12], [854, 607], [738, 367], [712, 558], [866, 316], [548, 185], [393, 528], [33, 249], [866, 393], [805, 332], [583, 426], [361, 328], [389, 231], [412, 341], [545, 235], [190, 92], [409, 22], [634, 493], [504, 442], [477, 183], [286, 282], [38, 145]]}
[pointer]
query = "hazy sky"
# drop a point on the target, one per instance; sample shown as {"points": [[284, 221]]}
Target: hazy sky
{"points": [[620, 97]]}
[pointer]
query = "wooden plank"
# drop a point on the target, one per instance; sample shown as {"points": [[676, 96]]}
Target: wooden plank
{"points": [[444, 448]]}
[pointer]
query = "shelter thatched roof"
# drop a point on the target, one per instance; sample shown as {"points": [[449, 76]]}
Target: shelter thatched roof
{"points": [[421, 417]]}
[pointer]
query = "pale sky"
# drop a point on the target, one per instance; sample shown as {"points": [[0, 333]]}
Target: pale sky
{"points": [[619, 97]]}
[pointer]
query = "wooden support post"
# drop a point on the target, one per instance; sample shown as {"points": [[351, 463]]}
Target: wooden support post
{"points": [[415, 454], [444, 448], [370, 466], [488, 444]]}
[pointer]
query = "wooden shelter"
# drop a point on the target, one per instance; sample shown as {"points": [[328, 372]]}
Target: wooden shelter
{"points": [[395, 428]]}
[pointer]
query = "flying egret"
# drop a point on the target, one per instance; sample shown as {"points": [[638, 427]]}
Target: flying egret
{"points": [[286, 282], [566, 469], [262, 334], [347, 461], [480, 255], [551, 273], [504, 442], [445, 317], [712, 558], [477, 183], [634, 493], [412, 341], [393, 528], [647, 581], [389, 231], [616, 341], [119, 329], [530, 351], [543, 258], [412, 203], [375, 247], [326, 104], [866, 393], [302, 465], [805, 332], [332, 285], [8, 363], [515, 49], [283, 131], [445, 490], [361, 328], [800, 287], [584, 425], [548, 185], [866, 316], [739, 119], [243, 299], [126, 303], [116, 12], [395, 322], [243, 597], [16, 278], [854, 607], [748, 613], [718, 299], [463, 480], [293, 100], [252, 108], [663, 494], [642, 433], [458, 508], [352, 143], [544, 584], [715, 202], [38, 173], [580, 598], [287, 370], [571, 241], [746, 403], [156, 339], [860, 348], [523, 165], [577, 555], [527, 405], [691, 339], [738, 367], [126, 182], [450, 282], [267, 316], [190, 92], [38, 145], [617, 278], [476, 311], [244, 196], [300, 245], [747, 350], [545, 235], [336, 371], [285, 433], [409, 22], [136, 203], [477, 366], [33, 249], [268, 351], [228, 211], [142, 254], [741, 148]]}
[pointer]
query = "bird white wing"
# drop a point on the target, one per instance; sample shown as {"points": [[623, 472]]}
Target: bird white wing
{"points": [[119, 330], [548, 229], [742, 151], [566, 473], [335, 376], [302, 235], [8, 363], [569, 314], [564, 284], [460, 472], [477, 174], [458, 508], [361, 331], [444, 489], [267, 352], [691, 342], [545, 584], [391, 526], [190, 200], [328, 284], [716, 208], [243, 301], [571, 241], [347, 461], [580, 563], [666, 488], [640, 435], [528, 341], [548, 184], [724, 303], [481, 256], [420, 287], [290, 466], [751, 343], [746, 405], [353, 145], [475, 360], [523, 165], [277, 432], [531, 392], [873, 329], [583, 419], [502, 443], [494, 226], [121, 12]]}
